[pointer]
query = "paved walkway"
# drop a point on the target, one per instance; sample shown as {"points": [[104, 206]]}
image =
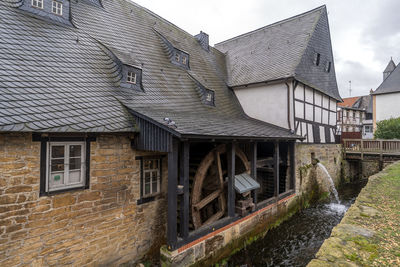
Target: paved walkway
{"points": [[369, 233]]}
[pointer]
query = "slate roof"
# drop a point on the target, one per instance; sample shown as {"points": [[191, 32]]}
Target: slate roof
{"points": [[60, 79], [390, 66], [283, 50], [391, 84]]}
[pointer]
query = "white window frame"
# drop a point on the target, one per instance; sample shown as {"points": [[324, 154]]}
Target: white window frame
{"points": [[37, 4], [184, 60], [177, 57], [131, 77], [158, 178], [58, 7], [209, 97], [66, 171]]}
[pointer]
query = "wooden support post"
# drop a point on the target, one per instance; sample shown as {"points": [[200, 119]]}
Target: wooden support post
{"points": [[172, 194], [276, 169], [362, 149], [184, 181], [231, 179], [253, 159], [292, 165]]}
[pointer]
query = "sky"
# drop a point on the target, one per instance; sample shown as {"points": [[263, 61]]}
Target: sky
{"points": [[365, 33]]}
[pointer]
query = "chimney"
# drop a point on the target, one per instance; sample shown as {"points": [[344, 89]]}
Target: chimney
{"points": [[371, 91], [202, 37]]}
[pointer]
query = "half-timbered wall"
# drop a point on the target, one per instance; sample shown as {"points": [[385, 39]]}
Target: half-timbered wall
{"points": [[315, 115]]}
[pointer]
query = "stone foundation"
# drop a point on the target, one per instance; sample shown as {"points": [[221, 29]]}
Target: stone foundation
{"points": [[102, 225], [223, 242]]}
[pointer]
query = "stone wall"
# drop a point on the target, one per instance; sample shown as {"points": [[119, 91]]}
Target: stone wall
{"points": [[330, 155], [102, 225]]}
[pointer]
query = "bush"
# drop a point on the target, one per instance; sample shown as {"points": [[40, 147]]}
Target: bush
{"points": [[388, 129]]}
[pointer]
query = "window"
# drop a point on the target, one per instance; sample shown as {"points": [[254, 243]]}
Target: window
{"points": [[37, 3], [328, 66], [209, 97], [57, 8], [177, 57], [151, 177], [131, 78], [368, 129], [317, 57], [66, 166], [184, 60]]}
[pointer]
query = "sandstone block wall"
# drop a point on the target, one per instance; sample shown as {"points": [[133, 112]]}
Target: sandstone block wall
{"points": [[330, 155], [102, 225]]}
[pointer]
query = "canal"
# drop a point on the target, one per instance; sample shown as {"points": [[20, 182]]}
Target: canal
{"points": [[297, 240]]}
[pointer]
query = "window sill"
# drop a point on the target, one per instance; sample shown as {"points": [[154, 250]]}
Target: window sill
{"points": [[148, 198], [63, 191]]}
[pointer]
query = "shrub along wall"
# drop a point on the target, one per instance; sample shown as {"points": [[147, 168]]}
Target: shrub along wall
{"points": [[102, 225]]}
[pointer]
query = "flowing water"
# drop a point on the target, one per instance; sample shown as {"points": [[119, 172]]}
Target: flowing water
{"points": [[297, 240], [331, 184]]}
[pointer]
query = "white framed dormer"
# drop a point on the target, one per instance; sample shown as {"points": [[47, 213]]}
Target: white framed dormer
{"points": [[37, 4], [57, 8]]}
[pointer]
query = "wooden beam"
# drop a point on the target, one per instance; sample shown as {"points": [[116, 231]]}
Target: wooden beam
{"points": [[292, 165], [184, 181], [253, 170], [230, 152], [276, 169], [172, 194]]}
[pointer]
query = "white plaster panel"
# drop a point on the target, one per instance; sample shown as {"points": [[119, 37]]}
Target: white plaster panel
{"points": [[332, 136], [310, 134], [299, 107], [325, 101], [387, 106], [325, 115], [333, 105], [299, 92], [318, 98], [309, 112], [318, 114], [309, 95], [333, 118], [268, 103], [322, 133], [298, 130], [304, 128]]}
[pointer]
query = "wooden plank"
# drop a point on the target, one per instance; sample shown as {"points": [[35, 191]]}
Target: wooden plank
{"points": [[214, 218], [276, 169], [184, 181], [207, 199], [230, 152], [253, 169], [292, 165], [172, 196]]}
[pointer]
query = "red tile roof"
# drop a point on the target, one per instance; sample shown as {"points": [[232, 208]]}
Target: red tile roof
{"points": [[348, 101]]}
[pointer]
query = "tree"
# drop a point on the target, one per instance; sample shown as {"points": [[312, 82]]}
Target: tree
{"points": [[388, 129]]}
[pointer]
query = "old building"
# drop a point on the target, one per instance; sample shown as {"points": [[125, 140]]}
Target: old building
{"points": [[355, 118], [387, 96], [120, 133]]}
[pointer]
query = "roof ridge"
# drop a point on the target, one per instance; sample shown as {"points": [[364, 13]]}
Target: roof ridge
{"points": [[272, 24]]}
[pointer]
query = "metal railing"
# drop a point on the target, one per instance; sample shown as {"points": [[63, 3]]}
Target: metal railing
{"points": [[372, 146]]}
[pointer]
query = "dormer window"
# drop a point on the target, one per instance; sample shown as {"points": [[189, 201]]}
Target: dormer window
{"points": [[37, 4], [56, 8], [131, 78], [209, 97], [317, 58], [328, 66], [184, 60], [177, 57]]}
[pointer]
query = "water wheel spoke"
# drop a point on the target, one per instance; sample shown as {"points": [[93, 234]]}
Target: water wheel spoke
{"points": [[219, 169], [207, 199], [214, 218]]}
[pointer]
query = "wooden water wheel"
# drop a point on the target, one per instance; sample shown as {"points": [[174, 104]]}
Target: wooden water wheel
{"points": [[208, 193]]}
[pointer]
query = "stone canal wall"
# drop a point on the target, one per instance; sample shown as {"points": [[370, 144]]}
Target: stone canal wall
{"points": [[99, 226], [369, 233]]}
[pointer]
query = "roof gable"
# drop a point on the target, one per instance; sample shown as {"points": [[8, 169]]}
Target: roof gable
{"points": [[391, 84], [318, 76], [390, 66]]}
